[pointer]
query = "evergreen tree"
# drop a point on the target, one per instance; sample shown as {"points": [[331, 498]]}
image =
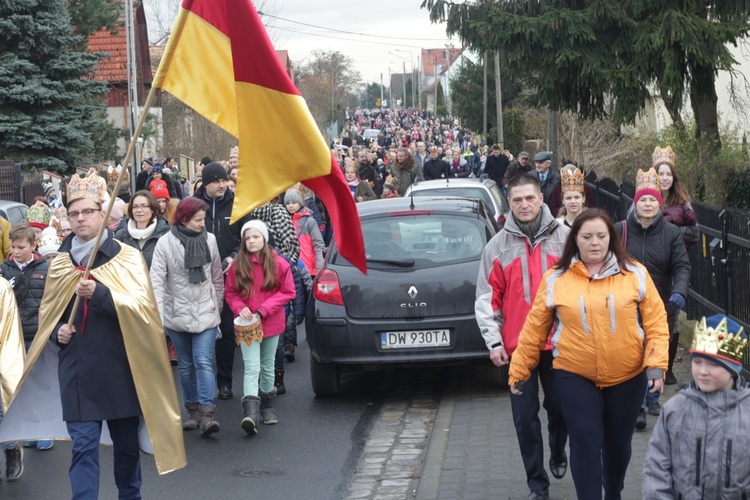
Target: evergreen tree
{"points": [[48, 100]]}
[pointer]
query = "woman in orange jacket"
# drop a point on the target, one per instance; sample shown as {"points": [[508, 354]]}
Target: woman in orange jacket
{"points": [[610, 337]]}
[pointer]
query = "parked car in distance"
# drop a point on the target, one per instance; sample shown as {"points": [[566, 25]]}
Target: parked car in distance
{"points": [[13, 211], [482, 189], [416, 303]]}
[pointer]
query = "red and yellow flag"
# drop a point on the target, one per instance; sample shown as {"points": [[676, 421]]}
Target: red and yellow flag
{"points": [[220, 62]]}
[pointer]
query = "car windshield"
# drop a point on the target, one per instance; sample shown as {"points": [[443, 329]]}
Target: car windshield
{"points": [[422, 241], [464, 192]]}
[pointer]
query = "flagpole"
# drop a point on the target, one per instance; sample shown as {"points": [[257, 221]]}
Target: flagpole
{"points": [[116, 189]]}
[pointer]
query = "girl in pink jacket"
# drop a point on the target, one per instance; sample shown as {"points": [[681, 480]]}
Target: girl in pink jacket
{"points": [[259, 284]]}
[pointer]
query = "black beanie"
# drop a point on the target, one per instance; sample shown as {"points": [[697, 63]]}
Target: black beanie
{"points": [[213, 172], [206, 160]]}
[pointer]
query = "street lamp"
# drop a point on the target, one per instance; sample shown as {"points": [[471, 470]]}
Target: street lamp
{"points": [[403, 78], [413, 91]]}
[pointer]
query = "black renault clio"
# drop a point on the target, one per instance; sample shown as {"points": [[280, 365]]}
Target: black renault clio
{"points": [[416, 303]]}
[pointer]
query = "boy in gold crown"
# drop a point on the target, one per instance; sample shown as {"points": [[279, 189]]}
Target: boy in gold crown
{"points": [[699, 447]]}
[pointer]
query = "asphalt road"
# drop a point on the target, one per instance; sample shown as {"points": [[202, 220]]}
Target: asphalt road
{"points": [[310, 454]]}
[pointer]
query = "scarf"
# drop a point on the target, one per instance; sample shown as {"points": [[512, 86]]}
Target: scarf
{"points": [[197, 253], [353, 186], [141, 234], [81, 250], [530, 230]]}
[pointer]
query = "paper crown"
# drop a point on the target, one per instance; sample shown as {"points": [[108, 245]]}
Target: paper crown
{"points": [[713, 337], [662, 155], [38, 214], [572, 181], [647, 180], [114, 172], [90, 187], [234, 152]]}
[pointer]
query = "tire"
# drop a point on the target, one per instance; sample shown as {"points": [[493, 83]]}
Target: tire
{"points": [[325, 377]]}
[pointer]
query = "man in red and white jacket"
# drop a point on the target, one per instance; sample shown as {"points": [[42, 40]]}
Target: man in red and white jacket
{"points": [[512, 266]]}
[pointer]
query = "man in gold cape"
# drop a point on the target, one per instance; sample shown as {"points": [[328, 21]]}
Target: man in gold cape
{"points": [[110, 367]]}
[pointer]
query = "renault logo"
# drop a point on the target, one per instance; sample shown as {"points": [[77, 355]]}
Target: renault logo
{"points": [[413, 292]]}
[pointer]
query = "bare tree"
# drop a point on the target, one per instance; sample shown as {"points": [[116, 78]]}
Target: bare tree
{"points": [[326, 83]]}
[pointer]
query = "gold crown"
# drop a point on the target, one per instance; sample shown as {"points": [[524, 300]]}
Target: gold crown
{"points": [[719, 341], [572, 181], [113, 173], [662, 155], [234, 152], [644, 180], [90, 187]]}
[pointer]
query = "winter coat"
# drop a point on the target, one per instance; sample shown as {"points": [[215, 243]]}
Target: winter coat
{"points": [[661, 250], [311, 246], [596, 332], [280, 225], [509, 274], [368, 174], [699, 446], [217, 222], [436, 169], [298, 304], [5, 228], [168, 181], [495, 168], [185, 306], [28, 287], [95, 378], [555, 202], [684, 218], [461, 170], [269, 304], [513, 170], [147, 250], [552, 180], [363, 189], [404, 177]]}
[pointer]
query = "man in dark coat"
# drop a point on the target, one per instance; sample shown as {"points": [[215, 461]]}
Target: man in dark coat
{"points": [[220, 199], [520, 166], [435, 167], [548, 177], [142, 179], [496, 165]]}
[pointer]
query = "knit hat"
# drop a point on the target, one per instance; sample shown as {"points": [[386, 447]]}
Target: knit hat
{"points": [[213, 172], [293, 195], [118, 208], [255, 224], [64, 225], [206, 160], [48, 188], [159, 190], [721, 341], [48, 243], [150, 161], [167, 171], [158, 168], [647, 183]]}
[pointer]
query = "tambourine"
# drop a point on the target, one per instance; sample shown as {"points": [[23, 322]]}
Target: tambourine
{"points": [[248, 330]]}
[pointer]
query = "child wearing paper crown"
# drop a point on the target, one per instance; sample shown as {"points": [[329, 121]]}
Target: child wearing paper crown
{"points": [[699, 447]]}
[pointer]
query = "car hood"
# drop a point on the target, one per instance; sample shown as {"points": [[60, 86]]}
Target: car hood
{"points": [[410, 293]]}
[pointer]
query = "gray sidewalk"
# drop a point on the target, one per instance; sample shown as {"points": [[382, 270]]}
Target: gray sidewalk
{"points": [[473, 451]]}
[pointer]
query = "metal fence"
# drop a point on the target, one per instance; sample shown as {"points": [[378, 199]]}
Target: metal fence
{"points": [[720, 260]]}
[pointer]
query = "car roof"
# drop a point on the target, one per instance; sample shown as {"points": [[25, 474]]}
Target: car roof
{"points": [[440, 203], [10, 204], [454, 182]]}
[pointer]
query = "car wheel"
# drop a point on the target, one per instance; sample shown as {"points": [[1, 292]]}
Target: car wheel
{"points": [[503, 375], [325, 378]]}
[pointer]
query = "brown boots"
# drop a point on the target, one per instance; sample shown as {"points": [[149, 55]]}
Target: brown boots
{"points": [[191, 422], [207, 423]]}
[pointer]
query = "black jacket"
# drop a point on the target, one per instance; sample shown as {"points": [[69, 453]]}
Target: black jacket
{"points": [[495, 168], [141, 180], [162, 227], [95, 378], [217, 222], [660, 248], [168, 181], [435, 169], [28, 287], [553, 179]]}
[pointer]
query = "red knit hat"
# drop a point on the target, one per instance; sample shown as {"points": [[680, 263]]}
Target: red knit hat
{"points": [[647, 183], [648, 191], [159, 190]]}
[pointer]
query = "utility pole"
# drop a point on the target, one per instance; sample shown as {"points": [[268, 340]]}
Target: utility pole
{"points": [[419, 81], [403, 84], [437, 81], [499, 97], [132, 63], [552, 135], [484, 98], [447, 79], [381, 88]]}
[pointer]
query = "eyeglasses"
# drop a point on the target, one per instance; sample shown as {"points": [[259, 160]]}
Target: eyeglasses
{"points": [[86, 213], [141, 207]]}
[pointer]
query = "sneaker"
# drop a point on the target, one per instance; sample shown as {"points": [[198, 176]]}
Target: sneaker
{"points": [[44, 445], [654, 408], [671, 379], [640, 423], [172, 353], [13, 463]]}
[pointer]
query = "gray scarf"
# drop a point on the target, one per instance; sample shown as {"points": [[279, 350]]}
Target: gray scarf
{"points": [[197, 253], [532, 229], [81, 250]]}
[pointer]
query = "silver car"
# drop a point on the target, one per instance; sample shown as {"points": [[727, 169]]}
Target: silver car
{"points": [[481, 189]]}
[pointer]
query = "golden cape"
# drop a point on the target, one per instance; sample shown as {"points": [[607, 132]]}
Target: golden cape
{"points": [[128, 282], [12, 351]]}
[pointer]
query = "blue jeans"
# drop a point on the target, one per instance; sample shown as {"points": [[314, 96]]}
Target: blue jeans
{"points": [[259, 361], [195, 364], [525, 408], [84, 466]]}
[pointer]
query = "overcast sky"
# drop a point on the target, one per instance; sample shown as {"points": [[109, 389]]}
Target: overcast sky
{"points": [[376, 28]]}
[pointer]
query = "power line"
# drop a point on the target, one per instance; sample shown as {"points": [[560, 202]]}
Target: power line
{"points": [[347, 39], [411, 39]]}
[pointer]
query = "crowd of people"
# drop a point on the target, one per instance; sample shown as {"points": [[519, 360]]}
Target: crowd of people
{"points": [[570, 300]]}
